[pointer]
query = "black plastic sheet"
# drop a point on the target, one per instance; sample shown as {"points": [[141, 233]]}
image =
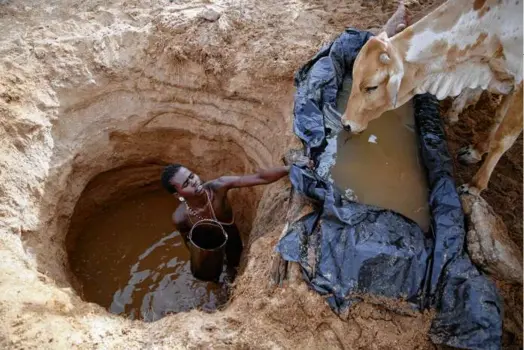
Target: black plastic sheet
{"points": [[347, 248]]}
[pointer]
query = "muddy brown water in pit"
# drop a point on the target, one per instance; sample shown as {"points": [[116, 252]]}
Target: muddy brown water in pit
{"points": [[130, 260], [382, 165]]}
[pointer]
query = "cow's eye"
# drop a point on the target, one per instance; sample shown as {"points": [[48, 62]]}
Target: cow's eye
{"points": [[371, 88]]}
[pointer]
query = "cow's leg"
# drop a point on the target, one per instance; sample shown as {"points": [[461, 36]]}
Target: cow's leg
{"points": [[467, 98], [506, 134], [473, 153]]}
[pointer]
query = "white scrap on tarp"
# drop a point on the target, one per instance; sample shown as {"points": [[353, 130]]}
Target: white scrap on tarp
{"points": [[372, 139]]}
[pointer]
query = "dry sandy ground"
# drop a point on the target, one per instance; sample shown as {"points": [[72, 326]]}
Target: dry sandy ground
{"points": [[90, 86]]}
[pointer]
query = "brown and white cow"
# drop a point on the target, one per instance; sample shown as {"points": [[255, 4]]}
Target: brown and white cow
{"points": [[463, 47]]}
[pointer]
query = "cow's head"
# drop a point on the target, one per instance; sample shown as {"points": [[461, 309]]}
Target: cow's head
{"points": [[377, 75]]}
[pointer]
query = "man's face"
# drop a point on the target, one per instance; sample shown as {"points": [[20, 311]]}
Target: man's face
{"points": [[187, 183]]}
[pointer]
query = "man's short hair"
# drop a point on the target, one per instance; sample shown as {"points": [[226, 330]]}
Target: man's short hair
{"points": [[167, 175]]}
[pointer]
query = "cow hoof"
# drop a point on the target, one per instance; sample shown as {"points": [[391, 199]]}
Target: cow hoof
{"points": [[469, 155], [468, 189]]}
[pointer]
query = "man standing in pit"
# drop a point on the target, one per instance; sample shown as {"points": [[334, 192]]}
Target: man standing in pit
{"points": [[199, 200]]}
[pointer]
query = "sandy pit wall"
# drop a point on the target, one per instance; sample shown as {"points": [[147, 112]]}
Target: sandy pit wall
{"points": [[88, 87]]}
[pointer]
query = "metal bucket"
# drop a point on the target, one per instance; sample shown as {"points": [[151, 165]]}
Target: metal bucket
{"points": [[207, 245]]}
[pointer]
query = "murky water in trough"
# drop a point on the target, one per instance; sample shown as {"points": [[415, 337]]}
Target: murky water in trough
{"points": [[131, 261], [382, 165]]}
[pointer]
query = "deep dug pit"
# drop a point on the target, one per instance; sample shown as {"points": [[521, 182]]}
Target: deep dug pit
{"points": [[90, 88], [109, 142]]}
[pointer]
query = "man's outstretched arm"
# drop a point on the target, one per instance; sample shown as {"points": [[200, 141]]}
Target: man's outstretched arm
{"points": [[261, 177]]}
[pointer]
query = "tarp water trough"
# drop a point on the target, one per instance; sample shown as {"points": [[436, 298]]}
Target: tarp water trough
{"points": [[363, 249]]}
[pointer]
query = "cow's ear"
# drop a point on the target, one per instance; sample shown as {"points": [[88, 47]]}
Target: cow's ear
{"points": [[393, 87]]}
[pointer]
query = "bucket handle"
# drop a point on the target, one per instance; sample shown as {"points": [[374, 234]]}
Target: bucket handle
{"points": [[208, 221]]}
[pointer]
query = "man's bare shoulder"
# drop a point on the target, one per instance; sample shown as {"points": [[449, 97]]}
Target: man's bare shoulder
{"points": [[215, 184], [179, 216], [218, 186]]}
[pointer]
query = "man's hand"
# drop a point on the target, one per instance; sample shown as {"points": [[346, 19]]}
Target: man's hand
{"points": [[304, 161], [295, 156]]}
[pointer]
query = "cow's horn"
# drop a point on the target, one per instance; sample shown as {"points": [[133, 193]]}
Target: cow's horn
{"points": [[384, 58]]}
